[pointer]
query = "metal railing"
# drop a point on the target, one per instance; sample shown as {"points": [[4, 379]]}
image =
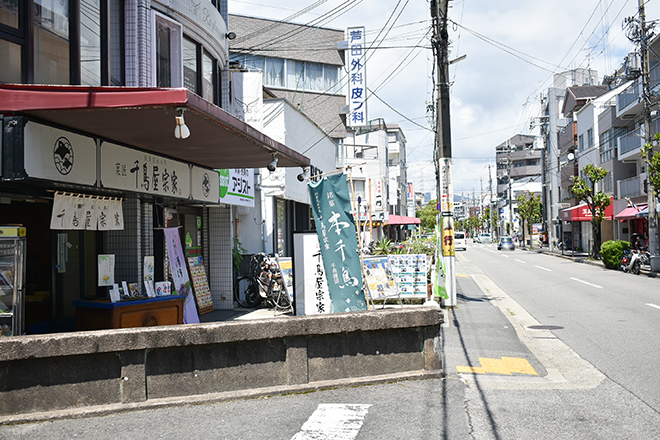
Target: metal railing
{"points": [[630, 187], [631, 141]]}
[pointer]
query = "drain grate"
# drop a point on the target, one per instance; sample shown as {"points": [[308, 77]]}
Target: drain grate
{"points": [[545, 327]]}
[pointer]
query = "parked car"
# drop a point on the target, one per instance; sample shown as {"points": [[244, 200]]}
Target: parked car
{"points": [[484, 237], [460, 241], [506, 243]]}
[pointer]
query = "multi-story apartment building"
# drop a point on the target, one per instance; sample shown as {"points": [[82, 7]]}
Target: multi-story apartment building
{"points": [[518, 161], [398, 170], [632, 183], [554, 123]]}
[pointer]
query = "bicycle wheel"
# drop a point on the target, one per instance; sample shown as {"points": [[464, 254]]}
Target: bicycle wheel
{"points": [[279, 296], [246, 292]]}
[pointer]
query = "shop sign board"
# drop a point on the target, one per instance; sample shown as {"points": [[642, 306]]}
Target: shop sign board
{"points": [[309, 279], [357, 79], [59, 155], [237, 186], [205, 185], [133, 170]]}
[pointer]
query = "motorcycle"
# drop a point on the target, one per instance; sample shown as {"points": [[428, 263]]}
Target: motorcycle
{"points": [[633, 261], [271, 283]]}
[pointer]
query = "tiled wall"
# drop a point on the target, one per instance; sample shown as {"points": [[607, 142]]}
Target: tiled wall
{"points": [[220, 245], [126, 245]]}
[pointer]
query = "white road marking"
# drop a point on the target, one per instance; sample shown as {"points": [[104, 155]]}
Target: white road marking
{"points": [[505, 255], [520, 261], [333, 421], [653, 305], [587, 283], [544, 268], [490, 250]]}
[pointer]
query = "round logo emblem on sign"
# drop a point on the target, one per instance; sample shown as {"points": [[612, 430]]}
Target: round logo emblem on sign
{"points": [[206, 184], [63, 156], [224, 182]]}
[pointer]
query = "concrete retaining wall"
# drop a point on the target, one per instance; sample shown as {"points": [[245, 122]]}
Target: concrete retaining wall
{"points": [[133, 367]]}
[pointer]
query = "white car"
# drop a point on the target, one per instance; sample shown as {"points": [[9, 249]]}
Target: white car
{"points": [[485, 238], [460, 242]]}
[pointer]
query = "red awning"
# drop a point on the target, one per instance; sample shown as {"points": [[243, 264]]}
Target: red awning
{"points": [[581, 213], [403, 220], [629, 213], [144, 118]]}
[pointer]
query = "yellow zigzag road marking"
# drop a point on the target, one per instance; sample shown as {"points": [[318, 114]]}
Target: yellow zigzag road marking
{"points": [[506, 365]]}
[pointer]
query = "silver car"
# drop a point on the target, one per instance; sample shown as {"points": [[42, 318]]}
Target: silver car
{"points": [[506, 243]]}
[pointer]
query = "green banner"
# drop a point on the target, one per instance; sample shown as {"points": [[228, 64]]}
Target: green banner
{"points": [[335, 227]]}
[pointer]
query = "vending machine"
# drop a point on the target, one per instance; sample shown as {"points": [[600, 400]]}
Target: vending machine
{"points": [[12, 280]]}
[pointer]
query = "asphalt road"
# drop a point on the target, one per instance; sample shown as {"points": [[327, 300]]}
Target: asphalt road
{"points": [[609, 318], [593, 377]]}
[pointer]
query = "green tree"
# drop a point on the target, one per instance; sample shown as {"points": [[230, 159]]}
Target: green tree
{"points": [[652, 159], [529, 211], [428, 215], [597, 201]]}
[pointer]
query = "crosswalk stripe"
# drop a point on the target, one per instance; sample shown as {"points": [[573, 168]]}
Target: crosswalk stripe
{"points": [[333, 422]]}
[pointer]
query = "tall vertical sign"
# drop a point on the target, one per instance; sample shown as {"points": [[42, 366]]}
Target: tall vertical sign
{"points": [[357, 76], [337, 234], [247, 102]]}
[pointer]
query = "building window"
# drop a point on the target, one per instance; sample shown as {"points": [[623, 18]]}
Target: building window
{"points": [[51, 42], [581, 143], [293, 74], [115, 55], [199, 69], [274, 73], [190, 65], [590, 138], [208, 77], [90, 42], [167, 53], [12, 57], [9, 13], [40, 45]]}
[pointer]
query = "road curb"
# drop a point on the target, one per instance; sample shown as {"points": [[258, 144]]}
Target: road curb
{"points": [[598, 263]]}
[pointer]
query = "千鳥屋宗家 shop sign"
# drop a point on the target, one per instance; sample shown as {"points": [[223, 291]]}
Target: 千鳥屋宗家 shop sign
{"points": [[132, 170]]}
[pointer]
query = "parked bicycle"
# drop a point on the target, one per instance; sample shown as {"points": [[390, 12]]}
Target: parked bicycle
{"points": [[264, 282]]}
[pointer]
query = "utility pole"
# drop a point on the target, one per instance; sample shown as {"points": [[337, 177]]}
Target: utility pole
{"points": [[645, 37], [490, 202], [442, 153]]}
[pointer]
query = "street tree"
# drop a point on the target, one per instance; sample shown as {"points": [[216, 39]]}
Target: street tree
{"points": [[652, 159], [529, 211], [428, 215], [597, 201]]}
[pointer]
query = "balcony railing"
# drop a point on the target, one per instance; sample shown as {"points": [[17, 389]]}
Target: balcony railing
{"points": [[630, 187], [631, 141], [629, 96], [655, 76]]}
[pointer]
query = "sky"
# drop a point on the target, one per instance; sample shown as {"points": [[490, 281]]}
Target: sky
{"points": [[512, 51]]}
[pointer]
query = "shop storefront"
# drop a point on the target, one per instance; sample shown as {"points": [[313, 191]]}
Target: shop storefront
{"points": [[633, 221], [117, 147], [578, 230]]}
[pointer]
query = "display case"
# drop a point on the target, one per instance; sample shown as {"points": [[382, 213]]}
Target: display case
{"points": [[12, 280]]}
